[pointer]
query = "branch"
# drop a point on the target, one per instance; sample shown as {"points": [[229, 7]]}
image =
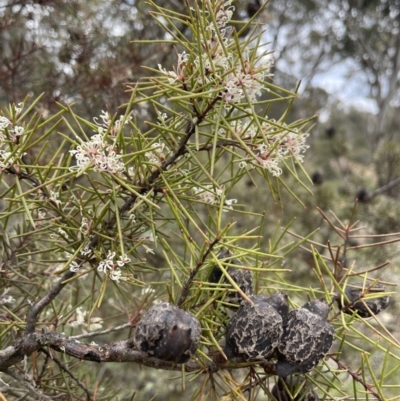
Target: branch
{"points": [[37, 308], [22, 380], [384, 188], [49, 297], [120, 351], [101, 332], [356, 377], [192, 275], [65, 369]]}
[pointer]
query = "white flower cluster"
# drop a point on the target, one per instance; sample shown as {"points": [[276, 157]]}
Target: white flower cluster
{"points": [[99, 155], [179, 73], [207, 194], [279, 146], [158, 154], [6, 299], [237, 80], [111, 267], [9, 132], [105, 125], [96, 323], [246, 81], [274, 144]]}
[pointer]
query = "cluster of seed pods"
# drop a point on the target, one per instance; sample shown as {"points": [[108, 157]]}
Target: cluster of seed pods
{"points": [[299, 338], [261, 329]]}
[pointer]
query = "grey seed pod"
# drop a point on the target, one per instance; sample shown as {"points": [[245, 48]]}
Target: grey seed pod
{"points": [[255, 331], [168, 333], [293, 388], [280, 302], [355, 292], [243, 278], [307, 338]]}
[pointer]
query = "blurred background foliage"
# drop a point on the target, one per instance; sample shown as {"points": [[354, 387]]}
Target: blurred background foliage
{"points": [[347, 56]]}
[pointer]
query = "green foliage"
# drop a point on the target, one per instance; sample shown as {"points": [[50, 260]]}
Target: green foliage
{"points": [[101, 219]]}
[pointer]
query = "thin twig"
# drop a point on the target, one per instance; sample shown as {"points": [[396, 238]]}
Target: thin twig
{"points": [[192, 275], [374, 244], [356, 377], [65, 369], [20, 379], [120, 351], [101, 332], [37, 308]]}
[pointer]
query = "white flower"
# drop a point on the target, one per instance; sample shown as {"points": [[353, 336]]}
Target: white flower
{"points": [[84, 228], [224, 14], [208, 195], [18, 108], [281, 145], [79, 319], [86, 250], [4, 123], [172, 76], [230, 202], [6, 299], [106, 264], [158, 153], [54, 197], [105, 126], [162, 117], [6, 160], [110, 255], [148, 290], [214, 62], [18, 131], [148, 249], [123, 259], [105, 116], [179, 75], [74, 266], [96, 323], [115, 275], [42, 213], [62, 232], [271, 164]]}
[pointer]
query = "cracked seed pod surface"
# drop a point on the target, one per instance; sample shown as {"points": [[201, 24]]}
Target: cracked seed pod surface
{"points": [[307, 338], [355, 293], [243, 278], [168, 333], [293, 388], [255, 330]]}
